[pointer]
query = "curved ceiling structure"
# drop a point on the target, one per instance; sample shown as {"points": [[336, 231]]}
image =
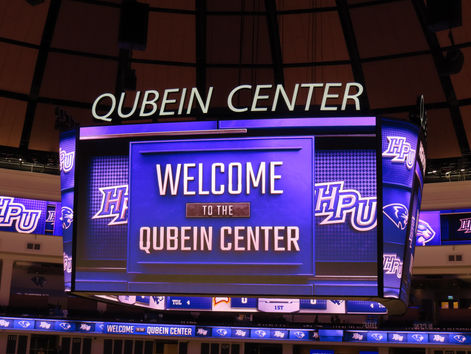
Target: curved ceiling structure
{"points": [[58, 56]]}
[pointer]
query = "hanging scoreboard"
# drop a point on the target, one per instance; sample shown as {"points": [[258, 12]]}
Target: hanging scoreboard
{"points": [[304, 207]]}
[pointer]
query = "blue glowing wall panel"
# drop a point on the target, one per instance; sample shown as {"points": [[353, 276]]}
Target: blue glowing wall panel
{"points": [[399, 150], [29, 216], [365, 307], [67, 149], [345, 212], [105, 236], [456, 227], [428, 229]]}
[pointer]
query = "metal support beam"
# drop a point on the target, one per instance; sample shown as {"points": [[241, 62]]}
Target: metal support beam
{"points": [[41, 61], [200, 39], [351, 42], [275, 42]]}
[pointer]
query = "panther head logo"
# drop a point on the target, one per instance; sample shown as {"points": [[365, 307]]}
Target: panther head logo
{"points": [[425, 233], [398, 214], [67, 216]]}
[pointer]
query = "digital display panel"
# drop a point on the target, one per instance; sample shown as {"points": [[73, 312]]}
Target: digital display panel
{"points": [[428, 229], [30, 216], [245, 208], [402, 186], [456, 227], [167, 330]]}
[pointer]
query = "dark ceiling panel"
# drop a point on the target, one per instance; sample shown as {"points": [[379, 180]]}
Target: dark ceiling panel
{"points": [[77, 78], [161, 77], [462, 81], [227, 34], [87, 28], [225, 79], [397, 82], [441, 138], [334, 73], [287, 5], [175, 33], [466, 114], [171, 4], [16, 67], [380, 30], [312, 37], [235, 5], [21, 21], [44, 135], [12, 116]]}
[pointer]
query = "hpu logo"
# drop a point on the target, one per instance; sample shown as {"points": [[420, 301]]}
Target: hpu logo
{"points": [[51, 215], [438, 338], [24, 324], [425, 233], [114, 204], [4, 323], [397, 213], [377, 336], [85, 327], [260, 333], [221, 332], [240, 333], [357, 336], [459, 338], [279, 334], [44, 325], [25, 220], [202, 332], [65, 326], [418, 337], [299, 334], [465, 225], [66, 160], [397, 337], [392, 264], [334, 202], [67, 217], [400, 151]]}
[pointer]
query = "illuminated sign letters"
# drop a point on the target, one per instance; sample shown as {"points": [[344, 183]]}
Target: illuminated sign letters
{"points": [[178, 101]]}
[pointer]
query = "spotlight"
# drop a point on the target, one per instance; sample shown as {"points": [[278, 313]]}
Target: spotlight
{"points": [[453, 61]]}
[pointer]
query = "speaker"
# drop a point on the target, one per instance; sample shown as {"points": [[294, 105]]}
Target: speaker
{"points": [[133, 22], [443, 14]]}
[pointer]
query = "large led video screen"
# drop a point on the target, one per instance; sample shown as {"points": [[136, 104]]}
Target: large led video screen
{"points": [[263, 207]]}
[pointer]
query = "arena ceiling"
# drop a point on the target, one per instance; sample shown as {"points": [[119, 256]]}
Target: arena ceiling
{"points": [[65, 53]]}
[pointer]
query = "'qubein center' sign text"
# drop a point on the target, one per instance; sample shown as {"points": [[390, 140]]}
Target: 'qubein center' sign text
{"points": [[154, 103]]}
